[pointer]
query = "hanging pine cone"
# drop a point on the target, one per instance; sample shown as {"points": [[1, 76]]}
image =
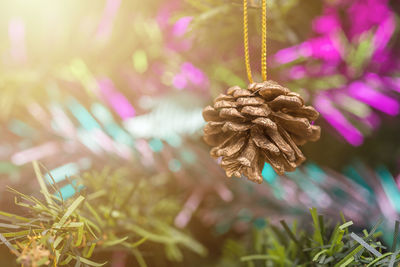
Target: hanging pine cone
{"points": [[263, 123]]}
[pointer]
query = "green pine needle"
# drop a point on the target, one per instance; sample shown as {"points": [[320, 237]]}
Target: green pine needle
{"points": [[325, 247], [62, 232]]}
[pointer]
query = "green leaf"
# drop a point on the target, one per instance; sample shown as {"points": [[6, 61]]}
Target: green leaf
{"points": [[22, 233], [69, 211], [114, 242], [90, 263], [336, 239], [138, 243], [345, 225], [347, 262], [139, 258], [289, 232], [9, 245], [67, 260], [80, 235], [89, 253], [379, 258], [317, 227], [42, 183], [349, 257], [13, 217], [319, 254], [57, 241], [9, 226], [94, 213], [74, 225]]}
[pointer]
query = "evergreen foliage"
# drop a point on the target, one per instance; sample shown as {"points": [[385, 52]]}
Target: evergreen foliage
{"points": [[107, 214]]}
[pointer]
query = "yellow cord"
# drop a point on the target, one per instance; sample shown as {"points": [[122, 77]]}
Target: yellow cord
{"points": [[263, 41], [246, 41]]}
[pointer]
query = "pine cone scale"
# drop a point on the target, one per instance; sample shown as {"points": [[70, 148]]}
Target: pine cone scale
{"points": [[213, 128], [289, 102], [225, 104], [299, 155], [263, 142], [210, 114], [250, 101], [224, 97], [248, 155], [266, 123], [229, 113], [293, 124], [235, 127], [241, 93], [255, 111], [308, 112], [232, 146], [275, 162], [269, 93]]}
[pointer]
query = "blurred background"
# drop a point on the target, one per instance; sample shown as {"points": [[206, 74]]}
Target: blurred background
{"points": [[121, 84]]}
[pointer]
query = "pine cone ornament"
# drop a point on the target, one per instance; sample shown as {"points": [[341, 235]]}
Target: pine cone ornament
{"points": [[264, 123]]}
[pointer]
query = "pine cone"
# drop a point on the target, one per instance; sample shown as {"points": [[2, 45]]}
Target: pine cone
{"points": [[263, 123]]}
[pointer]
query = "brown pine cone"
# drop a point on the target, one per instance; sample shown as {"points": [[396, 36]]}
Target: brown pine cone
{"points": [[263, 123]]}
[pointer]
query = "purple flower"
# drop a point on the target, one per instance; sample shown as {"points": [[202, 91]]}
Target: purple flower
{"points": [[334, 117], [365, 14], [384, 32], [173, 33], [392, 83], [189, 73], [297, 72], [372, 120], [193, 74], [363, 92], [327, 23], [179, 81], [180, 27], [116, 100], [324, 47], [287, 55], [164, 13], [332, 52]]}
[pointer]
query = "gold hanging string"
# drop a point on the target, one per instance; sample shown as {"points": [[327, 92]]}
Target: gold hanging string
{"points": [[263, 41], [246, 41]]}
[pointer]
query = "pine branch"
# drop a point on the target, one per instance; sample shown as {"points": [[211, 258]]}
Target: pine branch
{"points": [[71, 231]]}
